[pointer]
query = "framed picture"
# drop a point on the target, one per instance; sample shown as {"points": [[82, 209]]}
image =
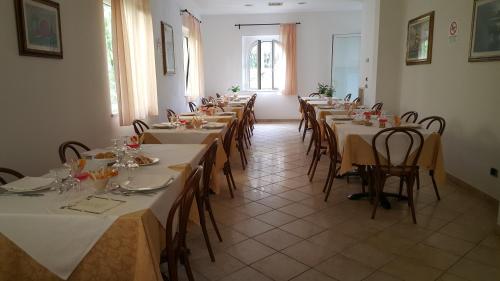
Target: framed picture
{"points": [[167, 39], [485, 37], [39, 28], [419, 41]]}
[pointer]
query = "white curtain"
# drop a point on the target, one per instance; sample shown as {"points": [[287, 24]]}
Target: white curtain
{"points": [[134, 60], [195, 87], [289, 45]]}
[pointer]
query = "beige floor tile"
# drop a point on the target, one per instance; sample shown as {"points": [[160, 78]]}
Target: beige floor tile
{"points": [[250, 251], [471, 234], [253, 209], [252, 227], [294, 195], [450, 277], [492, 241], [368, 255], [325, 219], [472, 270], [342, 268], [309, 253], [224, 265], [276, 218], [275, 202], [297, 210], [448, 243], [246, 274], [486, 255], [277, 239], [295, 182], [357, 230], [313, 275], [302, 228], [391, 243], [411, 232], [411, 271], [231, 218], [280, 267], [255, 194], [274, 189], [333, 239], [382, 276], [431, 256]]}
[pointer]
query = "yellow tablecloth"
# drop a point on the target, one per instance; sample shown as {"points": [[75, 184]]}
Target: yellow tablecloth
{"points": [[238, 110]]}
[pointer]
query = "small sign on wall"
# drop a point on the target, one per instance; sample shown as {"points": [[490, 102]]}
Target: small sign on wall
{"points": [[453, 31]]}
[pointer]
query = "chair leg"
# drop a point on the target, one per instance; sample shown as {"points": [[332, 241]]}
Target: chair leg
{"points": [[401, 182], [312, 162], [328, 177], [431, 173], [231, 176], [418, 180], [310, 144], [315, 166], [172, 267], [409, 186], [203, 223], [330, 183], [226, 173], [187, 267], [212, 218], [254, 118], [306, 125], [300, 124], [379, 188]]}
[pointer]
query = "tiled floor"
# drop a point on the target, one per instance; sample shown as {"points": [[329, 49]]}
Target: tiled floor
{"points": [[279, 228]]}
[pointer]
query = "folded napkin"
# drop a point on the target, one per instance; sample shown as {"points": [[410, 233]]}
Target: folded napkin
{"points": [[28, 184]]}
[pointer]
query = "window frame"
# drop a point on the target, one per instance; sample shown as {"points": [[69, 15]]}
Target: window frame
{"points": [[107, 4], [258, 43]]}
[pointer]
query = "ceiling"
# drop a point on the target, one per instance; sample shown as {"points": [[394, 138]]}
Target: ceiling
{"points": [[221, 7]]}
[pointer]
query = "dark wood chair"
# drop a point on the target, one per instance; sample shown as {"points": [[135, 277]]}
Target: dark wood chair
{"points": [[428, 124], [314, 95], [75, 146], [303, 107], [348, 98], [204, 101], [311, 117], [192, 106], [227, 143], [356, 100], [302, 113], [202, 197], [170, 114], [240, 140], [406, 170], [409, 117], [334, 159], [218, 95], [176, 248], [10, 173], [319, 149], [378, 106], [139, 127]]}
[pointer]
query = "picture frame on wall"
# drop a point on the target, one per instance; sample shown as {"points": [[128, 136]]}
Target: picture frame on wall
{"points": [[420, 39], [167, 39], [39, 28], [485, 31]]}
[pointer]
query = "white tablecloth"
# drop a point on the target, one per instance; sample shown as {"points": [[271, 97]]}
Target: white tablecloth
{"points": [[182, 135], [60, 239]]}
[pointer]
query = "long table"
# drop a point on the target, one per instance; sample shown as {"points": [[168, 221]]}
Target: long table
{"points": [[40, 241]]}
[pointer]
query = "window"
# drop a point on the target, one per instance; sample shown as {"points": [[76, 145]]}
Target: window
{"points": [[109, 54], [262, 60]]}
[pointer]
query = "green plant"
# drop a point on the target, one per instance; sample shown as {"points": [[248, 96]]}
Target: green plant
{"points": [[235, 88], [325, 89]]}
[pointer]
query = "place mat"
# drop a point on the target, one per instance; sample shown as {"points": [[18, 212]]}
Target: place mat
{"points": [[94, 205]]}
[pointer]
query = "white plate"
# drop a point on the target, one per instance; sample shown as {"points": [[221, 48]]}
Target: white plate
{"points": [[147, 183], [28, 184], [155, 160], [164, 126]]}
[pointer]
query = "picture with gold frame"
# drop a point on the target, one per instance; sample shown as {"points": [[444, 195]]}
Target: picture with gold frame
{"points": [[420, 39]]}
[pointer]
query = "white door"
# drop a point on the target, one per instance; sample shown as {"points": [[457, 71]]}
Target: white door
{"points": [[346, 64]]}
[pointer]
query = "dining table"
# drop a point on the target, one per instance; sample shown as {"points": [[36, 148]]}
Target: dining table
{"points": [[47, 238], [354, 142]]}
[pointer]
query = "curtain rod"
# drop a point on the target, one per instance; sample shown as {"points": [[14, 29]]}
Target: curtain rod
{"points": [[239, 25], [188, 12]]}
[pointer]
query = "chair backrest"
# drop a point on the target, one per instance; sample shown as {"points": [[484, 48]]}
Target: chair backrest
{"points": [[356, 100], [314, 95], [204, 101], [331, 138], [304, 108], [428, 121], [75, 146], [139, 126], [211, 99], [415, 142], [348, 97], [170, 114], [208, 162], [9, 172], [409, 117], [192, 106], [218, 95], [228, 137], [378, 106], [180, 210], [314, 124]]}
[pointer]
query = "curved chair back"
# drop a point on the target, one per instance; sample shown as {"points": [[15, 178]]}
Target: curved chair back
{"points": [[409, 117], [348, 98], [332, 144], [428, 121], [218, 95], [170, 114], [208, 162], [204, 101], [75, 146], [10, 173], [314, 95], [139, 127], [414, 140], [229, 136], [356, 100], [311, 115], [378, 106], [192, 106]]}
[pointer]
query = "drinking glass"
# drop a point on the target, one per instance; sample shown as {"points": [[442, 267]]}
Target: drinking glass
{"points": [[60, 174]]}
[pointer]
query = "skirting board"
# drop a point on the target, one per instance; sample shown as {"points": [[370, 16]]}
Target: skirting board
{"points": [[277, 120], [463, 184]]}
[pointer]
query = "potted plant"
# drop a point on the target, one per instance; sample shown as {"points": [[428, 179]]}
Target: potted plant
{"points": [[235, 89], [326, 90]]}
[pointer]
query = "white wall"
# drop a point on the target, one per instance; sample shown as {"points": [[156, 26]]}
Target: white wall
{"points": [[44, 102], [223, 56], [369, 48], [465, 94]]}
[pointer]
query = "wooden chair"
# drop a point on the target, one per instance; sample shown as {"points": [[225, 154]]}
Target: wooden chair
{"points": [[378, 106], [204, 101], [227, 143], [75, 146], [139, 127], [202, 197], [252, 108], [218, 95], [10, 173], [407, 169], [319, 149], [348, 98], [176, 248], [240, 139], [334, 159], [441, 125], [170, 114], [211, 99], [302, 113], [311, 117], [314, 95], [356, 100], [409, 117], [192, 106]]}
